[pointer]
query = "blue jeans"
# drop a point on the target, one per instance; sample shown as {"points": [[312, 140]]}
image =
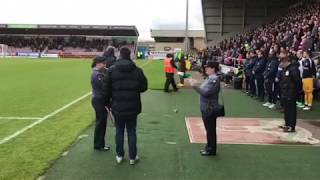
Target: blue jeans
{"points": [[129, 122]]}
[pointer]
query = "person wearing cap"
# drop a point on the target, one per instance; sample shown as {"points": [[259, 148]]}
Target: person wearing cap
{"points": [[209, 96], [170, 69], [290, 84], [98, 103]]}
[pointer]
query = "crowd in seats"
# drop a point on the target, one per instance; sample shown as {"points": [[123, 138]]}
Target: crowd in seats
{"points": [[257, 53], [53, 44], [297, 30]]}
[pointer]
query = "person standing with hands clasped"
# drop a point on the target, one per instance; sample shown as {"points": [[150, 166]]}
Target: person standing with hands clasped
{"points": [[209, 105], [290, 84]]}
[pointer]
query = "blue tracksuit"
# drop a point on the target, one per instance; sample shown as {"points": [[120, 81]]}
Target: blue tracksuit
{"points": [[258, 70], [269, 78], [248, 72]]}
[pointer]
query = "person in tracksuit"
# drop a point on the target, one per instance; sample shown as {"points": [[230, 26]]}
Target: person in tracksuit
{"points": [[300, 98], [98, 103], [257, 71], [246, 75], [269, 79], [248, 71], [308, 75], [290, 86]]}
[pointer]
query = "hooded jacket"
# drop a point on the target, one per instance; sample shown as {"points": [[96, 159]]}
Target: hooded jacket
{"points": [[123, 84]]}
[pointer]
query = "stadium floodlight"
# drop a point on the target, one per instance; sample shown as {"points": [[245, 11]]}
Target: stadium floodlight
{"points": [[186, 39], [3, 50]]}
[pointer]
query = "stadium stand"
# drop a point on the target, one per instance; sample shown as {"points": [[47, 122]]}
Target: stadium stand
{"points": [[297, 30], [66, 40]]}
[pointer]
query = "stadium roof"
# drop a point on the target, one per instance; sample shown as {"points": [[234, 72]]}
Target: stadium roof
{"points": [[56, 29], [176, 33]]}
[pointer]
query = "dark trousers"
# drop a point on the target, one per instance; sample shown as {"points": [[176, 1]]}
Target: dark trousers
{"points": [[300, 97], [170, 80], [290, 111], [277, 92], [247, 81], [252, 86], [101, 122], [270, 89], [260, 86], [130, 123], [210, 123]]}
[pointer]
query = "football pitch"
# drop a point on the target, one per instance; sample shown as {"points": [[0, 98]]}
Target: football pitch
{"points": [[46, 130]]}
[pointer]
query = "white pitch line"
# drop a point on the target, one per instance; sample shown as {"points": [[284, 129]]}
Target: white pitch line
{"points": [[23, 118], [40, 120], [148, 62], [8, 138]]}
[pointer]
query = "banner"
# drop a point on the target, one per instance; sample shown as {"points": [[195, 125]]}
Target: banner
{"points": [[158, 54], [50, 55], [29, 55], [36, 55]]}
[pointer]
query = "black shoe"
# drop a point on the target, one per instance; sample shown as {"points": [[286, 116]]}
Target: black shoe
{"points": [[289, 129], [106, 148], [176, 90], [207, 153], [282, 127]]}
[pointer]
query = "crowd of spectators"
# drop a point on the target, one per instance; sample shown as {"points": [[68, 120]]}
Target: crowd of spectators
{"points": [[297, 30], [37, 44]]}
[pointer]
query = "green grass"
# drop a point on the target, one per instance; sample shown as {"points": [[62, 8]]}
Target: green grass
{"points": [[38, 87], [35, 88], [158, 124], [155, 74]]}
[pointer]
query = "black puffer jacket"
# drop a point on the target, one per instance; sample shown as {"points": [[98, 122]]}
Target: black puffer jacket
{"points": [[290, 82], [122, 86]]}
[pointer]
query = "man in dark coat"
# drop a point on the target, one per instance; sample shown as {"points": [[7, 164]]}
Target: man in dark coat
{"points": [[290, 84], [257, 71], [123, 84]]}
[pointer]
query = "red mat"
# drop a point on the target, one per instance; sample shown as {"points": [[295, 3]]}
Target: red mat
{"points": [[250, 131]]}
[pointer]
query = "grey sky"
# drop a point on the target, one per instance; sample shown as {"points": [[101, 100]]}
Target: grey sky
{"points": [[145, 14]]}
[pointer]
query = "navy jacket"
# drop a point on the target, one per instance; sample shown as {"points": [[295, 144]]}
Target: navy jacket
{"points": [[309, 68], [259, 67], [249, 66], [271, 70]]}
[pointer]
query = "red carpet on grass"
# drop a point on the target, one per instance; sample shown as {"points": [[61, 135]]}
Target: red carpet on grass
{"points": [[253, 131]]}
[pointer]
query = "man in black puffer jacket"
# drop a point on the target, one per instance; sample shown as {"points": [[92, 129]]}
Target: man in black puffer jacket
{"points": [[122, 86], [290, 86]]}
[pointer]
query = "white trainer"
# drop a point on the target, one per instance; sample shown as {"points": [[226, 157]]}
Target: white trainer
{"points": [[267, 104], [119, 159], [307, 108], [272, 106], [134, 161]]}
